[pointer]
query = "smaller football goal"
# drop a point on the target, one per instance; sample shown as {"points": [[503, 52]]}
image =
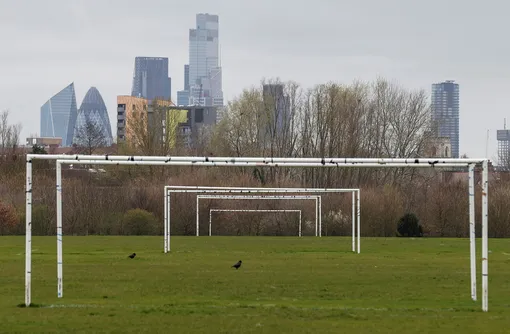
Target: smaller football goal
{"points": [[318, 203], [209, 190], [255, 210]]}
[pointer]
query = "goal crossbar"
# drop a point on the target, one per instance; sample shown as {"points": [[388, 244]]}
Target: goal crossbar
{"points": [[271, 162], [255, 210]]}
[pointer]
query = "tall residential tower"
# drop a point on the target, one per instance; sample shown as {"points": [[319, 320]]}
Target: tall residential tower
{"points": [[445, 112]]}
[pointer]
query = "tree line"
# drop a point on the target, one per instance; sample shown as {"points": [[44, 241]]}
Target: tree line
{"points": [[363, 119]]}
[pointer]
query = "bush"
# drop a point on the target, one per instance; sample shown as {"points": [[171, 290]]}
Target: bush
{"points": [[8, 218], [139, 222], [409, 226]]}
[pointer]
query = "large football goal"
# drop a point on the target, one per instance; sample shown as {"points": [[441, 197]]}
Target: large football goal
{"points": [[275, 162]]}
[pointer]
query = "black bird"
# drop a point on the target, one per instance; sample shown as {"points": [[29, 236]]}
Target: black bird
{"points": [[237, 265], [132, 256]]}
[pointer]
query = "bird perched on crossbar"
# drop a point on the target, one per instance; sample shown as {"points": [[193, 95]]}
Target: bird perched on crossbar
{"points": [[237, 265], [132, 256]]}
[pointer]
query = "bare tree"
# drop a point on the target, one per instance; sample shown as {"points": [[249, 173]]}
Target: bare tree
{"points": [[9, 135], [90, 137]]}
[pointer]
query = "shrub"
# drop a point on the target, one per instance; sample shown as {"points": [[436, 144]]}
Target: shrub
{"points": [[139, 222], [8, 218], [409, 226]]}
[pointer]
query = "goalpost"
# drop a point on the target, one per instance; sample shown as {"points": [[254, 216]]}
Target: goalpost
{"points": [[317, 199], [264, 162], [356, 205], [252, 210]]}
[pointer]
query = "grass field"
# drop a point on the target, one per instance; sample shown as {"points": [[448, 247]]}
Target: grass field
{"points": [[286, 285]]}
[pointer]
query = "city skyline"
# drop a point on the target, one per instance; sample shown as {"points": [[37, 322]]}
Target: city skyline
{"points": [[399, 43]]}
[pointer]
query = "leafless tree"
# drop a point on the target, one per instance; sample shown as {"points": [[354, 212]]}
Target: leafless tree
{"points": [[90, 137], [9, 135]]}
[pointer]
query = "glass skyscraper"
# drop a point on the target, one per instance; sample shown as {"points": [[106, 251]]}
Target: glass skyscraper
{"points": [[445, 112], [151, 80], [203, 76], [94, 110], [58, 116]]}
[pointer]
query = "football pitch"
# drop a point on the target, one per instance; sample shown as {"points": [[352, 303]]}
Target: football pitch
{"points": [[285, 285]]}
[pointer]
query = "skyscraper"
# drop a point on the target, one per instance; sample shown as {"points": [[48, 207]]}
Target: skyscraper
{"points": [[503, 137], [151, 80], [445, 112], [183, 95], [186, 77], [94, 110], [205, 86], [58, 116]]}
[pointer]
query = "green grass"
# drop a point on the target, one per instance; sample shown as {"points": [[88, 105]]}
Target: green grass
{"points": [[286, 285]]}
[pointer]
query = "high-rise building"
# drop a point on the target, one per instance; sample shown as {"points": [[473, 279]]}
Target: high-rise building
{"points": [[186, 77], [183, 95], [93, 110], [277, 111], [445, 113], [150, 79], [58, 116], [204, 69], [503, 137], [277, 102]]}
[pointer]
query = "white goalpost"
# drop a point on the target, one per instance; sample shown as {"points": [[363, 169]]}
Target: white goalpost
{"points": [[263, 162], [317, 199], [356, 205], [254, 210]]}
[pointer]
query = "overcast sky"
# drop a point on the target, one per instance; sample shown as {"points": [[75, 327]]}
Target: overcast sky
{"points": [[45, 45]]}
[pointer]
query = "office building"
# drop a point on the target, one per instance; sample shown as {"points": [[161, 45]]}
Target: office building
{"points": [[93, 110], [445, 113], [204, 76], [503, 137], [137, 118], [150, 79], [58, 116]]}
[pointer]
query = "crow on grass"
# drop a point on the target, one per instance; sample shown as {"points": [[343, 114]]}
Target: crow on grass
{"points": [[132, 256], [237, 265]]}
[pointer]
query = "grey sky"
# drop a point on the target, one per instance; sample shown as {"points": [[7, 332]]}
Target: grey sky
{"points": [[45, 45]]}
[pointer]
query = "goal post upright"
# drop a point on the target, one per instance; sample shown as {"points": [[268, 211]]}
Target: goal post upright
{"points": [[316, 213], [260, 162], [60, 289], [358, 199], [353, 217], [28, 233], [485, 237], [472, 234]]}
